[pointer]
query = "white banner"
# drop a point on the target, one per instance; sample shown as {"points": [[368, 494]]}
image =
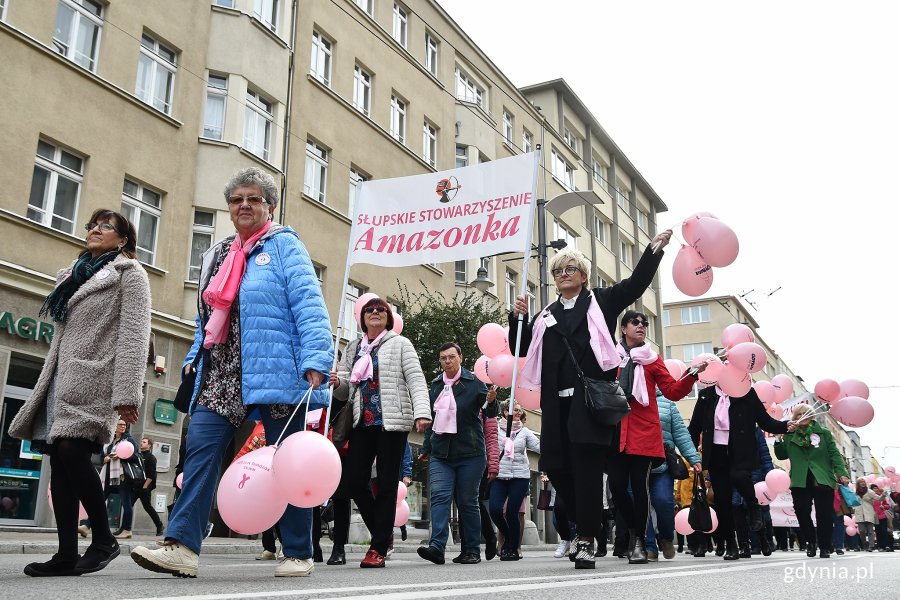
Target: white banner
{"points": [[470, 212], [782, 511]]}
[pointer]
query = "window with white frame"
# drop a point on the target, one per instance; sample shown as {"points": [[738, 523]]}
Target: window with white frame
{"points": [[462, 156], [216, 97], [622, 198], [601, 230], [461, 271], [598, 171], [431, 54], [527, 141], [507, 127], [350, 329], [666, 318], [511, 289], [155, 74], [202, 235], [668, 352], [320, 273], [142, 206], [651, 328], [368, 6], [258, 118], [55, 187], [605, 281], [320, 58], [625, 252], [692, 350], [266, 11], [468, 90], [429, 143], [77, 32], [316, 173], [398, 119], [2, 10], [356, 177], [561, 232], [224, 3], [563, 171], [401, 20], [362, 90], [643, 220], [488, 265], [695, 314], [571, 139], [531, 298]]}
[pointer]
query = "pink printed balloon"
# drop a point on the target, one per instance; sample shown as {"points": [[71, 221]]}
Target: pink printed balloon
{"points": [[765, 391], [689, 226], [307, 469], [715, 519], [778, 481], [828, 390], [675, 367], [179, 481], [681, 522], [401, 515], [854, 387], [870, 478], [500, 369], [853, 411], [851, 531], [747, 356], [709, 375], [735, 334], [715, 241], [398, 324], [692, 275], [481, 365], [249, 501], [360, 302], [506, 337], [401, 492], [890, 470], [784, 387], [763, 495], [775, 411], [734, 382], [528, 398], [491, 340], [124, 449]]}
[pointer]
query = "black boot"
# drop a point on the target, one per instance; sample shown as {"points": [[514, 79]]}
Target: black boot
{"points": [[97, 556], [637, 554], [731, 549], [744, 550], [811, 550], [584, 555], [720, 548], [765, 545], [337, 556], [317, 553], [490, 548], [55, 567], [756, 517]]}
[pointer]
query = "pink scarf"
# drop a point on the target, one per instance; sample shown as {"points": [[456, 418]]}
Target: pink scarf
{"points": [[510, 444], [642, 355], [223, 289], [601, 343], [722, 423], [445, 406], [362, 369]]}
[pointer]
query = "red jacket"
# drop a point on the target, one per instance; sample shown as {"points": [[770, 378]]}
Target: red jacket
{"points": [[491, 446], [641, 431]]}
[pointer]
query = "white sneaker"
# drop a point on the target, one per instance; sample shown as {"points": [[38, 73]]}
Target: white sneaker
{"points": [[562, 549], [172, 558], [294, 567], [266, 555]]}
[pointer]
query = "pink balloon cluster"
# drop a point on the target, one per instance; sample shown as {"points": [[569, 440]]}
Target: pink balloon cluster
{"points": [[496, 363], [849, 401], [362, 300], [401, 514], [710, 243], [683, 526]]}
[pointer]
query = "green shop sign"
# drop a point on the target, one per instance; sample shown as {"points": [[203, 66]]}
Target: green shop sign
{"points": [[164, 411], [27, 327]]}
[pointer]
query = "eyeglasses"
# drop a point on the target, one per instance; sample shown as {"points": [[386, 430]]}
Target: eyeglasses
{"points": [[252, 200], [570, 270], [635, 321], [374, 309], [104, 227], [448, 358]]}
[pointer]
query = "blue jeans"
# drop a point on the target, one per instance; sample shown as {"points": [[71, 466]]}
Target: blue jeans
{"points": [[662, 498], [125, 494], [511, 491], [209, 434], [462, 477], [837, 538]]}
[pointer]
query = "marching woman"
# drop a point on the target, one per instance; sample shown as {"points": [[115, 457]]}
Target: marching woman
{"points": [[816, 468], [574, 447]]}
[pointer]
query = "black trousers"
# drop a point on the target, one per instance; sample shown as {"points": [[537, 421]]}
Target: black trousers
{"points": [[633, 470], [143, 495], [823, 499], [484, 494], [580, 484], [341, 528], [725, 479]]}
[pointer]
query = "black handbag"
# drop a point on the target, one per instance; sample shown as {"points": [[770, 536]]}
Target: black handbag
{"points": [[186, 390], [700, 518], [342, 425], [133, 471], [675, 463], [543, 502], [605, 400]]}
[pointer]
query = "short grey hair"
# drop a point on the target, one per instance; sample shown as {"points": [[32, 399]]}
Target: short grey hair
{"points": [[254, 176], [565, 255]]}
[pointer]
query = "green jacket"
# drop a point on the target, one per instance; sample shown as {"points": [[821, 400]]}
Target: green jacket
{"points": [[824, 459]]}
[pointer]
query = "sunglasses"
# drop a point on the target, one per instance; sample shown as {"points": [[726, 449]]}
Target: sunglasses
{"points": [[570, 270], [374, 309], [252, 200], [104, 227], [635, 321]]}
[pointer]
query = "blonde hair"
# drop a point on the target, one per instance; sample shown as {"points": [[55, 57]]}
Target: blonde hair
{"points": [[565, 255], [801, 411]]}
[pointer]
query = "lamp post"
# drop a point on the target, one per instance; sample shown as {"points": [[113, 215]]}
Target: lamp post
{"points": [[481, 282]]}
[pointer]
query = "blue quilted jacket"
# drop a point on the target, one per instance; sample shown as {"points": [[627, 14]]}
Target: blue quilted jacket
{"points": [[285, 329], [674, 432]]}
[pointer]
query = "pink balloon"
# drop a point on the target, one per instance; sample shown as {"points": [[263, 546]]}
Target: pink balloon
{"points": [[82, 514], [775, 411], [870, 478], [398, 324], [853, 411], [249, 501], [401, 492], [528, 398], [715, 519], [401, 515], [784, 387], [179, 481], [500, 369], [360, 302], [734, 382], [715, 241], [693, 276], [675, 367], [881, 482], [480, 369], [506, 338], [897, 487], [124, 449], [848, 521], [828, 390], [747, 356], [854, 387], [735, 334], [765, 391], [689, 225], [778, 481], [713, 370], [491, 340], [851, 531], [890, 470], [6, 502], [681, 522], [307, 469], [763, 495]]}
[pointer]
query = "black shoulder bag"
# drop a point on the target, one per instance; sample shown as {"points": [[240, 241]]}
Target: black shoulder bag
{"points": [[675, 463], [188, 382], [605, 400], [700, 518]]}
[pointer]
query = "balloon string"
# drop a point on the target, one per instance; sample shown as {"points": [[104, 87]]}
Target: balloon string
{"points": [[303, 401]]}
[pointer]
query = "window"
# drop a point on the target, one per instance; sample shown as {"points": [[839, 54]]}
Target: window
{"points": [[202, 235], [692, 350], [216, 95], [488, 265], [349, 328], [398, 119], [563, 171], [666, 318], [621, 198], [77, 32], [462, 156], [651, 328], [2, 10], [320, 273], [320, 58], [531, 298], [507, 127], [695, 314], [527, 141], [368, 6], [429, 143], [625, 252], [511, 289], [258, 119], [362, 90], [561, 232], [601, 230], [141, 206], [643, 220], [356, 178], [316, 171], [400, 23], [267, 12], [597, 171], [224, 3], [461, 272], [55, 187], [571, 139], [668, 352], [155, 74], [431, 54], [467, 90]]}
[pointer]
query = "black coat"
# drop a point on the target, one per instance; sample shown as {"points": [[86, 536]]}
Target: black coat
{"points": [[567, 419], [744, 414]]}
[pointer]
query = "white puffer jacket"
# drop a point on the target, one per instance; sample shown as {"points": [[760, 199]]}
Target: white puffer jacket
{"points": [[518, 467], [401, 383]]}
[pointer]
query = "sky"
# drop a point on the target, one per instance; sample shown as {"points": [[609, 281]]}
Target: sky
{"points": [[782, 119]]}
